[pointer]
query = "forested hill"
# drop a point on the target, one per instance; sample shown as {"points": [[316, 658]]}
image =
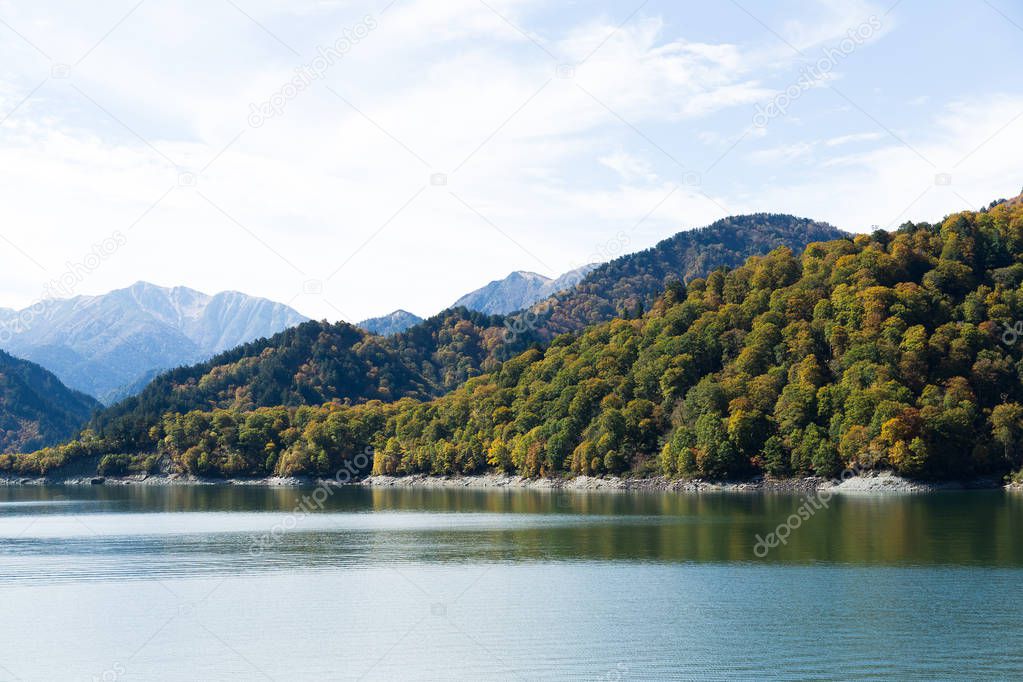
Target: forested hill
{"points": [[319, 362], [628, 285], [35, 408], [310, 364], [894, 350]]}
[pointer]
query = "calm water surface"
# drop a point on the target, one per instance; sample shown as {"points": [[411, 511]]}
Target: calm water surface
{"points": [[202, 583]]}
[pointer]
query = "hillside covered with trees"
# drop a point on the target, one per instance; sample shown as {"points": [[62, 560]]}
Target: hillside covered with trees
{"points": [[627, 286], [318, 362], [895, 350], [36, 409]]}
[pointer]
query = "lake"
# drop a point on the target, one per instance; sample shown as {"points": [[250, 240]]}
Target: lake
{"points": [[244, 583]]}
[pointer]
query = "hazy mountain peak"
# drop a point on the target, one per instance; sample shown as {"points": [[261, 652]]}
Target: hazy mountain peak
{"points": [[520, 289], [100, 343], [526, 274], [392, 323], [573, 277]]}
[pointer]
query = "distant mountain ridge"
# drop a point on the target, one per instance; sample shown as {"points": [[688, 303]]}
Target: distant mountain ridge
{"points": [[36, 409], [519, 290], [320, 362], [102, 344], [392, 323]]}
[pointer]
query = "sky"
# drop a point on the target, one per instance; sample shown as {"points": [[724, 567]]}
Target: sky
{"points": [[352, 158]]}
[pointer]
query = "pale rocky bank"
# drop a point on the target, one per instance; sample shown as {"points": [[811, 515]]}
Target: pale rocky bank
{"points": [[869, 483], [883, 482]]}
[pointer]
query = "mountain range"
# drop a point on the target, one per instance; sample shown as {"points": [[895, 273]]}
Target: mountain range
{"points": [[517, 291], [110, 344], [890, 351], [820, 351], [319, 362]]}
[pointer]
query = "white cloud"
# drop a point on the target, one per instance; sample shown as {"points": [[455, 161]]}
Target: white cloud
{"points": [[437, 87], [783, 154], [823, 22], [853, 137], [895, 182], [628, 167]]}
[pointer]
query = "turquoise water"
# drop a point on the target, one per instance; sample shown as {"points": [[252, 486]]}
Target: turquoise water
{"points": [[117, 583]]}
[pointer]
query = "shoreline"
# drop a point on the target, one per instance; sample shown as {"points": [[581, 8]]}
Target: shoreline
{"points": [[874, 482], [879, 482]]}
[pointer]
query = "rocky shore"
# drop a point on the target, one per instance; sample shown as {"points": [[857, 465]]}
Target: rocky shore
{"points": [[164, 480], [880, 482], [883, 482]]}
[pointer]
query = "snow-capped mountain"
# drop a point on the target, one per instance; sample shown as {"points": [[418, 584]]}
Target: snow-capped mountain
{"points": [[101, 344]]}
